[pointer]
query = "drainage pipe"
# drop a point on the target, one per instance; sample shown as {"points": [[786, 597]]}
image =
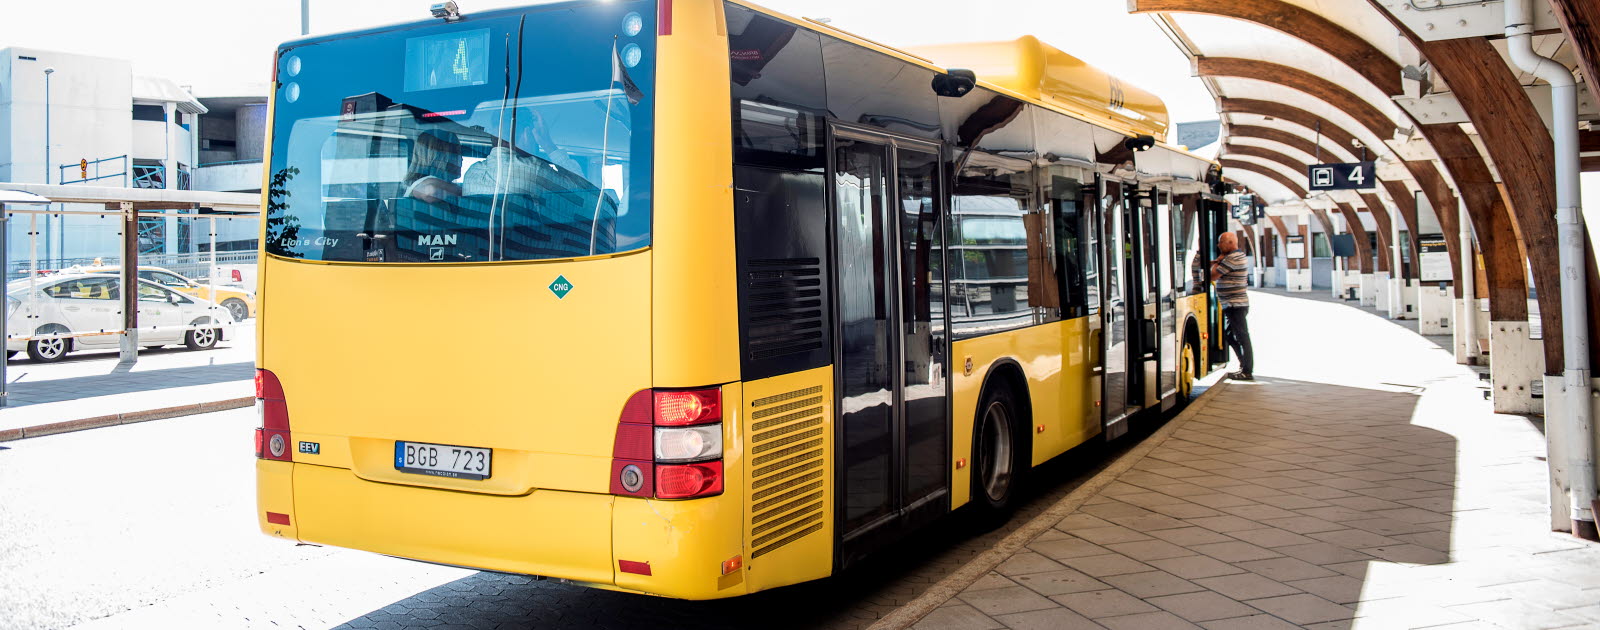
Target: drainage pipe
{"points": [[1579, 429], [1469, 287]]}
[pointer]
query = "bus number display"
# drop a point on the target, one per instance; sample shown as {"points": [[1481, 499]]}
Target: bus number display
{"points": [[443, 460]]}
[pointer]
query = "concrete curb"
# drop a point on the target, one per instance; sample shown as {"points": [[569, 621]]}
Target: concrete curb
{"points": [[67, 426], [952, 585]]}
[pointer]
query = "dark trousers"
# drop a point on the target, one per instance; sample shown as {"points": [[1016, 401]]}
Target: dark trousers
{"points": [[1236, 331]]}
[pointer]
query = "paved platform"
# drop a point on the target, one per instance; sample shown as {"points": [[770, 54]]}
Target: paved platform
{"points": [[91, 389], [1361, 482]]}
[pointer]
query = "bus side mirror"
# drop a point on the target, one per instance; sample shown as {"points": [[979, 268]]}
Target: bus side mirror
{"points": [[955, 83]]}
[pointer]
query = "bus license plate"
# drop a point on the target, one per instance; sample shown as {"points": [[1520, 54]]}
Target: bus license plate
{"points": [[443, 460]]}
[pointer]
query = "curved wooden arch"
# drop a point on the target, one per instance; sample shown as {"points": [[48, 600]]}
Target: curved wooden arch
{"points": [[1269, 155], [1317, 87], [1420, 171], [1264, 171], [1502, 256], [1380, 216], [1363, 57], [1330, 131], [1287, 138], [1580, 19], [1524, 154]]}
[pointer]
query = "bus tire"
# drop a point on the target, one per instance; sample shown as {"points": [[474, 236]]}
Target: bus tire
{"points": [[996, 450]]}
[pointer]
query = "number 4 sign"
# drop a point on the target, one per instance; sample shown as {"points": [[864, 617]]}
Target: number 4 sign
{"points": [[1342, 176]]}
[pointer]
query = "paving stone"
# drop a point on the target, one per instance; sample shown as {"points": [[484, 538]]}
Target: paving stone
{"points": [[1192, 567], [1049, 619], [1060, 582], [1106, 603], [1225, 524], [1106, 565], [1160, 620], [1236, 551], [961, 617], [1322, 553], [1354, 538], [1201, 606], [1252, 622], [1271, 537], [1152, 584], [1191, 535], [1286, 569], [1303, 608], [1411, 554], [1243, 586], [1011, 599], [1079, 520], [1068, 548], [1146, 550], [1339, 589], [1028, 562], [1109, 535], [1303, 524], [990, 580]]}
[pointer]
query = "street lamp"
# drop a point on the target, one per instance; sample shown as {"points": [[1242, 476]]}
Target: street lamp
{"points": [[47, 73]]}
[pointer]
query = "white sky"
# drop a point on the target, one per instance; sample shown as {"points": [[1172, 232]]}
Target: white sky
{"points": [[221, 46]]}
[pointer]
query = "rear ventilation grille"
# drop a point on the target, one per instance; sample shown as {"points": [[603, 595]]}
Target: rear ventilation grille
{"points": [[783, 306], [787, 482]]}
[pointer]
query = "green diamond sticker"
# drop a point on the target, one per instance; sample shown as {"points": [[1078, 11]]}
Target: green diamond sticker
{"points": [[561, 287]]}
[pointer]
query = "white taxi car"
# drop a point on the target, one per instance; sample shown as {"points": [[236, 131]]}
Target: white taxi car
{"points": [[84, 311]]}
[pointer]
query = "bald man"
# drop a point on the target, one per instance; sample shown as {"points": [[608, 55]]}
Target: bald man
{"points": [[1230, 271]]}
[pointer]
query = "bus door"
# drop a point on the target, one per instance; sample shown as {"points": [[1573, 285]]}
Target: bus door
{"points": [[1214, 218], [1115, 283], [1164, 255], [892, 343], [1143, 303]]}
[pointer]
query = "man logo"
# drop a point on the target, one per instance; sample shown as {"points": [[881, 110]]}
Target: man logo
{"points": [[436, 239]]}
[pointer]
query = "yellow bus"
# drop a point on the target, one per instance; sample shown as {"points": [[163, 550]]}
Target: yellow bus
{"points": [[689, 298]]}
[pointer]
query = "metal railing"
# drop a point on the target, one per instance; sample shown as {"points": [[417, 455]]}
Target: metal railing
{"points": [[62, 169]]}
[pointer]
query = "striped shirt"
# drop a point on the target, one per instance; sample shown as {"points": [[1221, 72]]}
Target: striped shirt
{"points": [[1231, 285]]}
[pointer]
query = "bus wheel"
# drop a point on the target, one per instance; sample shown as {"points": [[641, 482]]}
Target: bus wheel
{"points": [[994, 452], [1186, 373]]}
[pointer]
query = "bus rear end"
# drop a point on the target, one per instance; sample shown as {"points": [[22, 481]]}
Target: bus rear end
{"points": [[467, 352]]}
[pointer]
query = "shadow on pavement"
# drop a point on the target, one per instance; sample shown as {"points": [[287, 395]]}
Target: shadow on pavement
{"points": [[853, 600], [21, 393]]}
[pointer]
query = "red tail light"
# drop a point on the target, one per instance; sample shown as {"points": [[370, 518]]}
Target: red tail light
{"points": [[635, 470], [273, 438], [687, 481], [676, 408], [664, 17], [237, 276]]}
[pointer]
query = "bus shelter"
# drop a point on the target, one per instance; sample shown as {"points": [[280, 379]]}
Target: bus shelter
{"points": [[118, 268]]}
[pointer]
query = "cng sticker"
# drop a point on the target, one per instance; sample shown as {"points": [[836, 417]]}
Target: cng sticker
{"points": [[561, 287]]}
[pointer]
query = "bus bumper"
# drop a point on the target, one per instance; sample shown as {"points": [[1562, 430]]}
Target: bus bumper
{"points": [[576, 536]]}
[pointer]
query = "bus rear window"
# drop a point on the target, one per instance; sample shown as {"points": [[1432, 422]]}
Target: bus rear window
{"points": [[511, 136]]}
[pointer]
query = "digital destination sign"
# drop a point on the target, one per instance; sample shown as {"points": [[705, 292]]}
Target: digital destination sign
{"points": [[447, 60]]}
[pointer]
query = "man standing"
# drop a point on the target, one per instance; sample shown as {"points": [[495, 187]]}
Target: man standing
{"points": [[1229, 272]]}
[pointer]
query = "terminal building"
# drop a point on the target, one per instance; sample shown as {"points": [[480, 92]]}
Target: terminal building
{"points": [[80, 120]]}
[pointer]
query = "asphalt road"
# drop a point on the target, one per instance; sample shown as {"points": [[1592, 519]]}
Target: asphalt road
{"points": [[151, 526]]}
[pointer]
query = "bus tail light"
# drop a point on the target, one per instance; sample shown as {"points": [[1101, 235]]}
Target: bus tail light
{"points": [[668, 444], [688, 481], [663, 17], [272, 439], [678, 408]]}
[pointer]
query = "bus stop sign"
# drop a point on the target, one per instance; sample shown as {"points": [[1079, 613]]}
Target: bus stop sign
{"points": [[1343, 176]]}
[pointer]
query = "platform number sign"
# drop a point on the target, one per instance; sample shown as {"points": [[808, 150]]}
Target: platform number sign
{"points": [[1343, 176]]}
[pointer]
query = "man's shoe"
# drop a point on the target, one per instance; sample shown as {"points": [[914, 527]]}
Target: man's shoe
{"points": [[1240, 376]]}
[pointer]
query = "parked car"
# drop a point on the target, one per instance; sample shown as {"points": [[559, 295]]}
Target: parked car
{"points": [[66, 311], [241, 303]]}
